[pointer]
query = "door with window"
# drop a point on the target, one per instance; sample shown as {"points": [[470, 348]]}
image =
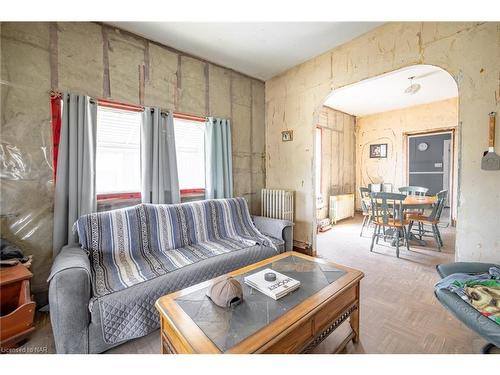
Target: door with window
{"points": [[429, 161]]}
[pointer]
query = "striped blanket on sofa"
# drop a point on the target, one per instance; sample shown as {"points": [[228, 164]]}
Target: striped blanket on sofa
{"points": [[139, 243]]}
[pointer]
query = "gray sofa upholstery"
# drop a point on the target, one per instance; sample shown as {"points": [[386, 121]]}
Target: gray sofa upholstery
{"points": [[280, 231], [464, 312], [77, 318]]}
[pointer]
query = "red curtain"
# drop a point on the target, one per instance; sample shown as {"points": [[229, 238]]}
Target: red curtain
{"points": [[55, 104]]}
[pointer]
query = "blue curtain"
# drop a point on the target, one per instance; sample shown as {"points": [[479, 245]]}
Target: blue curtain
{"points": [[159, 179], [75, 193], [218, 159]]}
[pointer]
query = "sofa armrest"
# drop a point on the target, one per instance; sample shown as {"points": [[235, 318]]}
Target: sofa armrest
{"points": [[69, 295], [463, 267], [276, 228]]}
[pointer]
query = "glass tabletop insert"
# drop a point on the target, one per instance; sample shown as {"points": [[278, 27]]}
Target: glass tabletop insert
{"points": [[228, 327]]}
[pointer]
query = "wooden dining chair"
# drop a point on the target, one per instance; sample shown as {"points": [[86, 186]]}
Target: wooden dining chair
{"points": [[387, 212], [387, 187], [431, 220], [413, 190], [375, 187], [364, 194], [418, 191]]}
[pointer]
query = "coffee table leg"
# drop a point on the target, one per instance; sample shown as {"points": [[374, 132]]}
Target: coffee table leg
{"points": [[354, 321]]}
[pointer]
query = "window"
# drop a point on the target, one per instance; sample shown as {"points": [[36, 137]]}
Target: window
{"points": [[190, 151], [318, 161], [118, 153]]}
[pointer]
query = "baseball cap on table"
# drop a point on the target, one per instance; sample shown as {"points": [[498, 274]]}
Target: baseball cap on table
{"points": [[225, 292]]}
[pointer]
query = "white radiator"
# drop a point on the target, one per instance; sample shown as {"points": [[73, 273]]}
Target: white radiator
{"points": [[341, 207], [277, 204]]}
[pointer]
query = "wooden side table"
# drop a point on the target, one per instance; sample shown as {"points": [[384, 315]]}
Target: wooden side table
{"points": [[17, 310]]}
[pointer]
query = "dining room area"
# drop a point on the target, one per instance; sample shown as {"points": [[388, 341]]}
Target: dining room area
{"points": [[397, 235], [402, 223], [398, 290], [386, 177], [408, 215], [397, 240], [390, 162]]}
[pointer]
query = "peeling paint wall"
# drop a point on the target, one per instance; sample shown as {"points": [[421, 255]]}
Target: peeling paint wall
{"points": [[104, 62], [392, 127], [470, 52], [337, 155]]}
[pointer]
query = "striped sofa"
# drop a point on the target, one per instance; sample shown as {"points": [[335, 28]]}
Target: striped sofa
{"points": [[102, 291]]}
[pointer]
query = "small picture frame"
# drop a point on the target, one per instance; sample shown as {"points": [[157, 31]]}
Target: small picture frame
{"points": [[378, 150], [287, 136]]}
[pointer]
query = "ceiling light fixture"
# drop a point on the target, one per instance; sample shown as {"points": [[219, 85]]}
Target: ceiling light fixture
{"points": [[413, 88]]}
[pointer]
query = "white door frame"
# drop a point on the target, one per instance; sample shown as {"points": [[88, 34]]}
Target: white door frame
{"points": [[447, 168]]}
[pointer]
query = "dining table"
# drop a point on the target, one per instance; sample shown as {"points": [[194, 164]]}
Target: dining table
{"points": [[414, 202], [418, 202]]}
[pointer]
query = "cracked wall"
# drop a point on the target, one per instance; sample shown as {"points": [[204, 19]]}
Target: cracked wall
{"points": [[104, 62], [470, 52]]}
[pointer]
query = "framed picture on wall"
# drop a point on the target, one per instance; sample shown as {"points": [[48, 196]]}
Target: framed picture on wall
{"points": [[378, 150], [287, 136]]}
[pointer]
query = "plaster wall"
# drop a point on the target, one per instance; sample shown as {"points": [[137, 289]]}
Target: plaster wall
{"points": [[104, 62], [337, 155], [468, 51], [392, 127]]}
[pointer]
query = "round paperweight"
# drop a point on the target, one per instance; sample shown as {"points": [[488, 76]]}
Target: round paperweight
{"points": [[270, 276]]}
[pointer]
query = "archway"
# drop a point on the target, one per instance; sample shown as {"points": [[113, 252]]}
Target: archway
{"points": [[375, 114]]}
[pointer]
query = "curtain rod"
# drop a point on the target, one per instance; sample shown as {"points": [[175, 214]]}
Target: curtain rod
{"points": [[185, 116], [55, 94], [113, 104]]}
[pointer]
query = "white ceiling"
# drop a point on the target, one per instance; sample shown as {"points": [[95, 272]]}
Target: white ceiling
{"points": [[386, 92], [258, 49]]}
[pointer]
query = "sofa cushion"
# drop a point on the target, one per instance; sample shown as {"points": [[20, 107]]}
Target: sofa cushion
{"points": [[132, 245], [166, 226], [278, 242], [121, 248], [130, 313], [109, 230], [216, 219]]}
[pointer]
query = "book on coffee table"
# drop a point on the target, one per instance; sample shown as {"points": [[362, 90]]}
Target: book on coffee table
{"points": [[276, 289]]}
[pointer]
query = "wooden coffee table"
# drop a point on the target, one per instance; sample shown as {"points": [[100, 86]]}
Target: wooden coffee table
{"points": [[328, 296]]}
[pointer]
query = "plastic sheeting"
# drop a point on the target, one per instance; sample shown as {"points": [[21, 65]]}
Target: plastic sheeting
{"points": [[12, 164], [26, 197]]}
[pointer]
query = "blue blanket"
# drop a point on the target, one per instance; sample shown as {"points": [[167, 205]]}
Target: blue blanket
{"points": [[135, 244]]}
